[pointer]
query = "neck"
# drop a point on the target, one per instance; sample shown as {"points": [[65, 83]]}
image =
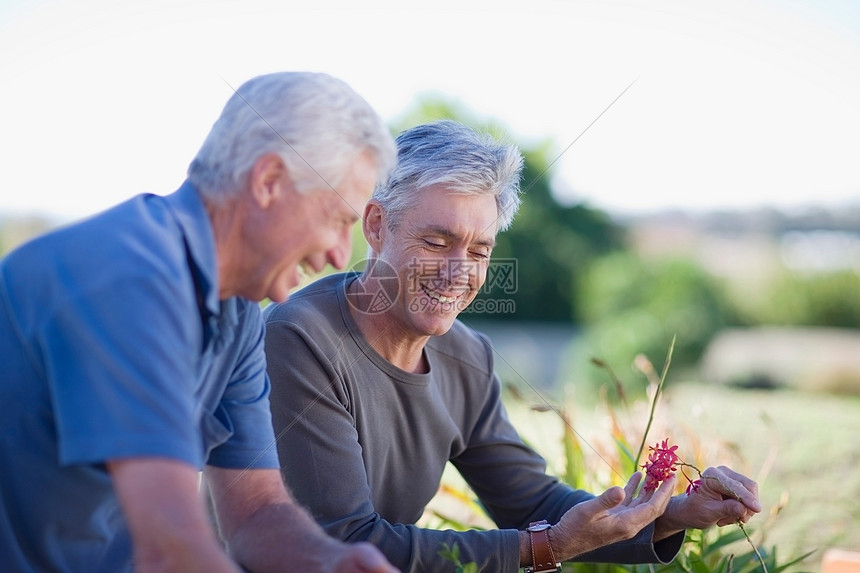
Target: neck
{"points": [[389, 339], [225, 218]]}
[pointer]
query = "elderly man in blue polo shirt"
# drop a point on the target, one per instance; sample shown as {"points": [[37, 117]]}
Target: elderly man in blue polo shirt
{"points": [[132, 349]]}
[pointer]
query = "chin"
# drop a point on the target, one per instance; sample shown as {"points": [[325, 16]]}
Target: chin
{"points": [[280, 295], [436, 325], [280, 291]]}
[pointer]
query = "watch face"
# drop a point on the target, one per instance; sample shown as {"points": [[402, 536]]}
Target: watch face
{"points": [[539, 527]]}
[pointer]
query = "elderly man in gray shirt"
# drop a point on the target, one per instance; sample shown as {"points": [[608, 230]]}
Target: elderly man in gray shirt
{"points": [[376, 385]]}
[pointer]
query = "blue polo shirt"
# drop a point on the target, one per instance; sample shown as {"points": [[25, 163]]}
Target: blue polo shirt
{"points": [[114, 344]]}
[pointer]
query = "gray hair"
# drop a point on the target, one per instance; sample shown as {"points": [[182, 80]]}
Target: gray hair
{"points": [[316, 123], [449, 153]]}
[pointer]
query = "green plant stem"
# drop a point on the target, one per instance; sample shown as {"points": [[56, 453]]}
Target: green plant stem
{"points": [[655, 398], [753, 545]]}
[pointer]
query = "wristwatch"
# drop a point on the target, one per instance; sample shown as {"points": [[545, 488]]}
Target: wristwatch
{"points": [[543, 561]]}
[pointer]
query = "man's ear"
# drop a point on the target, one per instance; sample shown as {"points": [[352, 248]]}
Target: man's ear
{"points": [[373, 224], [268, 179]]}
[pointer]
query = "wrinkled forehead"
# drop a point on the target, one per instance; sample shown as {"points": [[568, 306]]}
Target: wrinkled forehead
{"points": [[455, 215], [356, 188]]}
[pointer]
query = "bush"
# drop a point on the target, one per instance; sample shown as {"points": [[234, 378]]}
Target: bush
{"points": [[632, 306], [823, 299]]}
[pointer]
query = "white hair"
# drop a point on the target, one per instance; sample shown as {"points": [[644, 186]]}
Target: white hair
{"points": [[316, 123], [449, 153]]}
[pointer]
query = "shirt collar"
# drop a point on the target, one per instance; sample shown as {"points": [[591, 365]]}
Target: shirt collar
{"points": [[191, 214]]}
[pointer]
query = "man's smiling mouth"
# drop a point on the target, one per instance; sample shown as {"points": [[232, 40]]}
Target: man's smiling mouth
{"points": [[439, 297]]}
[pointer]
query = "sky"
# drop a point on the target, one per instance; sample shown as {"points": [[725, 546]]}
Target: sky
{"points": [[733, 104]]}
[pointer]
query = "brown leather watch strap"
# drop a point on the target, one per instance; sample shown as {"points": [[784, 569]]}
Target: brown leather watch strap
{"points": [[543, 560]]}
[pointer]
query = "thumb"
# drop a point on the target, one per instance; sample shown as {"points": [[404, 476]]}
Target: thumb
{"points": [[733, 511], [611, 497]]}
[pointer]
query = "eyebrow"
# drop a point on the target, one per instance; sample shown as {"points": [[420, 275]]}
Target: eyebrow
{"points": [[449, 234], [350, 216]]}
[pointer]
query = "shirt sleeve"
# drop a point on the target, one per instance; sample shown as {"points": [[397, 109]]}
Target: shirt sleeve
{"points": [[509, 477], [119, 357], [322, 463], [511, 481], [244, 408]]}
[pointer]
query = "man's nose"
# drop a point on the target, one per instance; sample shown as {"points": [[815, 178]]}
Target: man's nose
{"points": [[338, 256], [459, 268]]}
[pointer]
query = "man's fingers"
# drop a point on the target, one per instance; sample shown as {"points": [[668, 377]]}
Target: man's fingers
{"points": [[366, 558], [734, 512], [611, 497], [728, 482], [738, 510], [630, 487], [663, 494]]}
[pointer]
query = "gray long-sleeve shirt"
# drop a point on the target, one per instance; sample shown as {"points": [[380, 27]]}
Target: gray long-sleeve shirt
{"points": [[363, 444]]}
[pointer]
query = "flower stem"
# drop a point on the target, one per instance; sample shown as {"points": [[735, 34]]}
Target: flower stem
{"points": [[654, 400], [750, 541]]}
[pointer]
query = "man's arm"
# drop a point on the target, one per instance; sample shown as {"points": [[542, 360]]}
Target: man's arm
{"points": [[265, 530], [166, 517], [323, 461], [511, 481]]}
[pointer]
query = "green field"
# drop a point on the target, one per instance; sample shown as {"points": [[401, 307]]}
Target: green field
{"points": [[802, 448]]}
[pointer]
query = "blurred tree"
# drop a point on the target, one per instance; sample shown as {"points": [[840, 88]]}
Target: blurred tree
{"points": [[817, 299], [548, 242], [632, 306]]}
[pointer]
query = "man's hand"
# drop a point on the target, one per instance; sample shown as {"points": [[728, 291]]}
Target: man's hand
{"points": [[266, 531], [615, 515], [723, 498], [361, 558]]}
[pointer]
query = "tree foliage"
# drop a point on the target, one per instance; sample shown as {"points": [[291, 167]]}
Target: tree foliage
{"points": [[633, 306], [820, 299]]}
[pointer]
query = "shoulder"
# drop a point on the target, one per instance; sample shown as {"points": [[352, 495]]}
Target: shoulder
{"points": [[318, 298], [465, 347], [136, 245], [313, 312], [127, 224]]}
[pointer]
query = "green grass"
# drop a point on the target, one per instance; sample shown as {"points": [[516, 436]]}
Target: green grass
{"points": [[802, 448]]}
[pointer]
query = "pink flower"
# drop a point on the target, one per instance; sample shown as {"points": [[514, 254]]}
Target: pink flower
{"points": [[694, 486], [662, 462]]}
